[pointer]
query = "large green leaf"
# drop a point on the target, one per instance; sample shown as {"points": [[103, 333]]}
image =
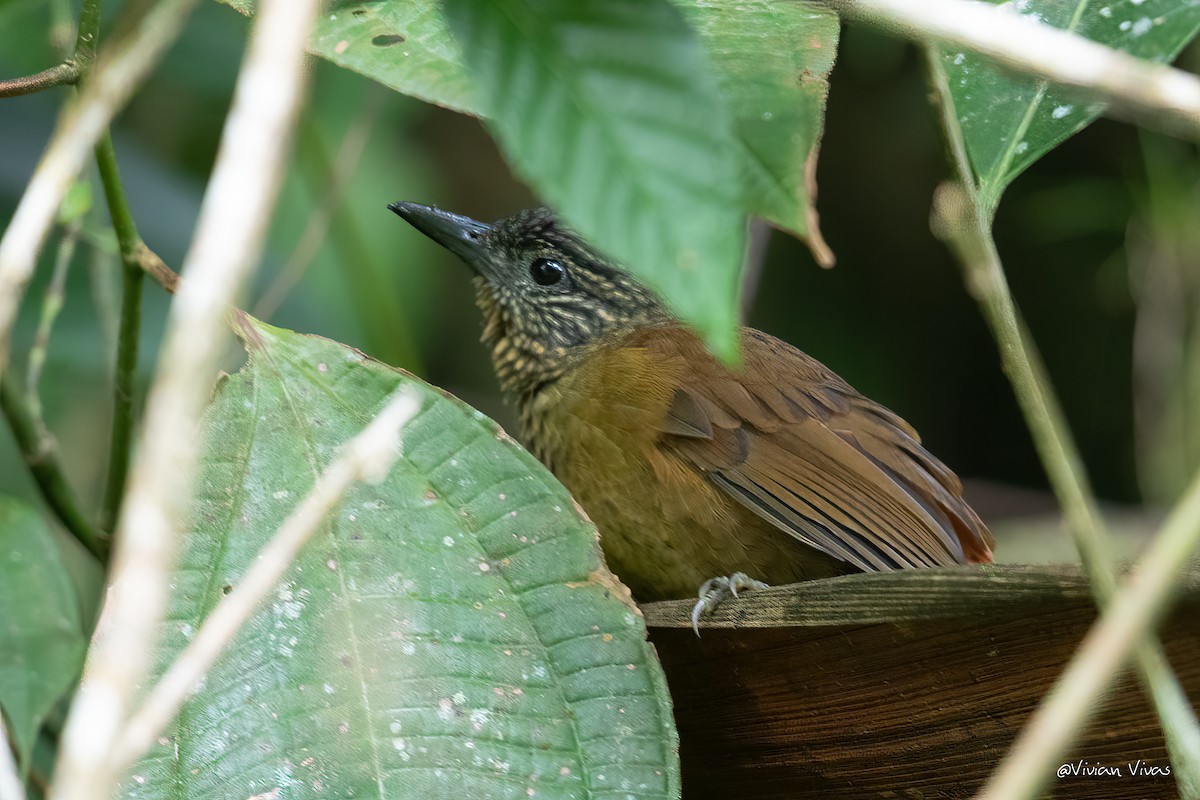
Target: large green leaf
{"points": [[453, 632], [610, 109], [1010, 121], [773, 61], [41, 636], [403, 44]]}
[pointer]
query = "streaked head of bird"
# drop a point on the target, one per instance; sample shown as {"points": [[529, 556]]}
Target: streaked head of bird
{"points": [[548, 298]]}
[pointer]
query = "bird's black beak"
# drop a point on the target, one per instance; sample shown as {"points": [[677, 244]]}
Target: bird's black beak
{"points": [[462, 236]]}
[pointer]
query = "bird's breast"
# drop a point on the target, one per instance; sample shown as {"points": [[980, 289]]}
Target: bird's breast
{"points": [[598, 419], [665, 527]]}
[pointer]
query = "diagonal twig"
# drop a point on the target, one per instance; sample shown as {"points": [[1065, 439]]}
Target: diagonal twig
{"points": [[1136, 608], [228, 242], [368, 456], [962, 218], [1153, 94], [52, 303]]}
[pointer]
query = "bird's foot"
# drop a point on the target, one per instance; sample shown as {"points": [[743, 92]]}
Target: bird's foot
{"points": [[716, 590]]}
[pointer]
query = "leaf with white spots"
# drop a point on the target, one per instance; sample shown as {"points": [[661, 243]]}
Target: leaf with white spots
{"points": [[403, 44], [452, 632], [1009, 121]]}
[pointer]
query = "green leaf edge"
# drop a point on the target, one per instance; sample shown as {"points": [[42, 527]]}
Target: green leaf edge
{"points": [[247, 327], [22, 737]]}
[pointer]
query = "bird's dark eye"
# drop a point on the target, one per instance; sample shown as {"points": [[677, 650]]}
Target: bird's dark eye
{"points": [[546, 271]]}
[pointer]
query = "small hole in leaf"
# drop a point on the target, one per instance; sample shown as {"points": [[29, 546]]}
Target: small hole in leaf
{"points": [[226, 589], [358, 12], [387, 39]]}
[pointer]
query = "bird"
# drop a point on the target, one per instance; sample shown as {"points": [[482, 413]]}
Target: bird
{"points": [[703, 478]]}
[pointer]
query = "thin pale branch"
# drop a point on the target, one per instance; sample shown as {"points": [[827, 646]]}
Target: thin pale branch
{"points": [[1155, 95], [1060, 458], [368, 456], [52, 303], [228, 242], [1138, 607], [64, 74], [119, 71], [963, 221]]}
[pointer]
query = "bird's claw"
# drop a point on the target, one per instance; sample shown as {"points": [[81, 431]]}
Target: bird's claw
{"points": [[715, 590]]}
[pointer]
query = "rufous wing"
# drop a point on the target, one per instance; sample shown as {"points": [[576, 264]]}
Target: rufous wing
{"points": [[797, 445]]}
